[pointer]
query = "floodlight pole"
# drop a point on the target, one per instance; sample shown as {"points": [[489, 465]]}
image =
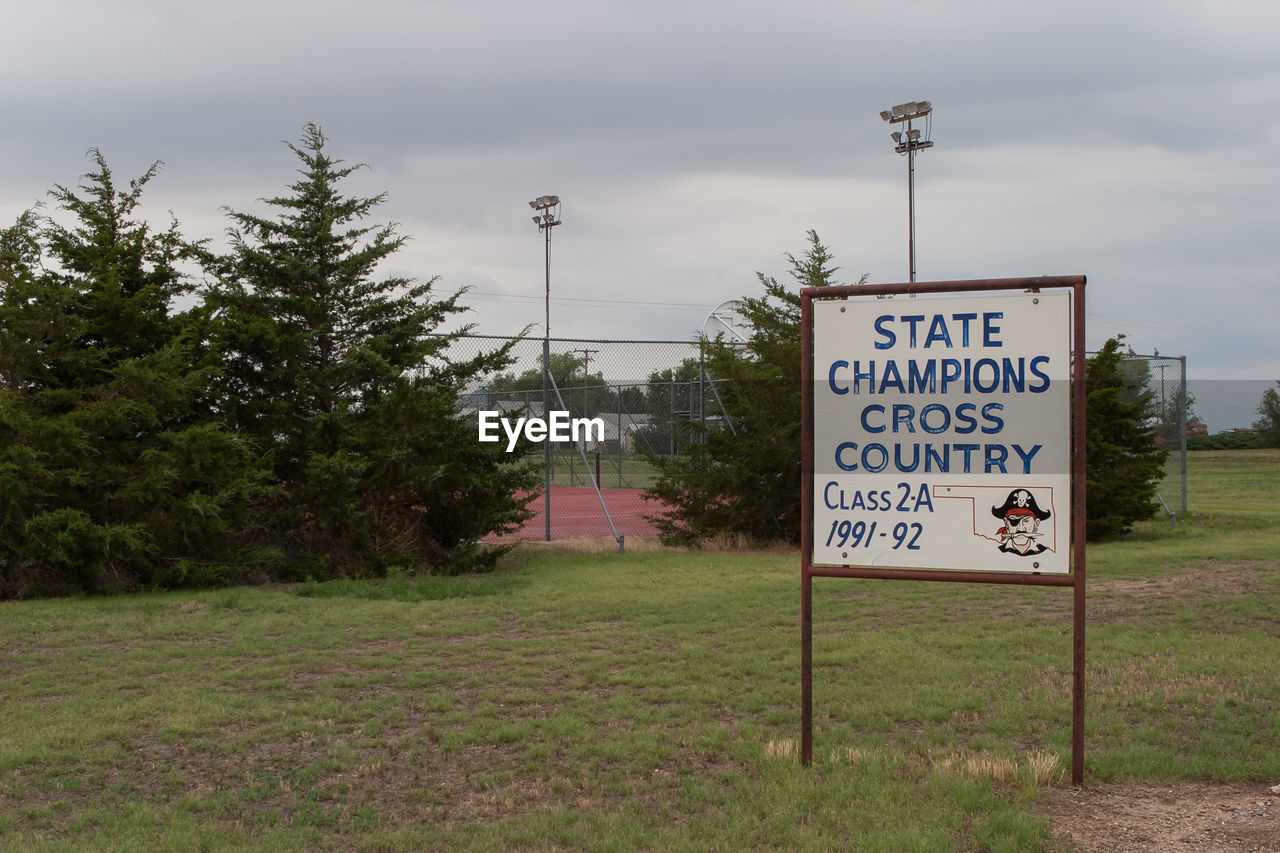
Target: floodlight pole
{"points": [[911, 211], [909, 146], [547, 217]]}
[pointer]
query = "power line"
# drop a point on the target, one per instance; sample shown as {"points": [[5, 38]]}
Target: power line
{"points": [[518, 297]]}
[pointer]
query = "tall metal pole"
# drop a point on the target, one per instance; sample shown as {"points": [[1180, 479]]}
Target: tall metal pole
{"points": [[1182, 426], [546, 394], [547, 216], [911, 209]]}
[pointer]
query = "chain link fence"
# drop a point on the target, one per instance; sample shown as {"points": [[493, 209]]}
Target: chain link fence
{"points": [[1162, 381], [642, 391]]}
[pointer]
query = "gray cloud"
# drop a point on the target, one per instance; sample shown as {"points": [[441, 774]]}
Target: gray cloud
{"points": [[695, 143]]}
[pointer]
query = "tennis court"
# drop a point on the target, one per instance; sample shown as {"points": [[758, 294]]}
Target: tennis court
{"points": [[576, 514]]}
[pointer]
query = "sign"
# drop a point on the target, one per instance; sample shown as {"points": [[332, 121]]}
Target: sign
{"points": [[942, 433]]}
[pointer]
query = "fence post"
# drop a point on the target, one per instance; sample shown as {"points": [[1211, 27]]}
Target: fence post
{"points": [[1182, 428], [546, 448], [702, 401], [671, 418]]}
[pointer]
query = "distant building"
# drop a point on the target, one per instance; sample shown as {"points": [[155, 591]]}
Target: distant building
{"points": [[619, 432]]}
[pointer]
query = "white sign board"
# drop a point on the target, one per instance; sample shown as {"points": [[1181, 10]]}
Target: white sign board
{"points": [[942, 433]]}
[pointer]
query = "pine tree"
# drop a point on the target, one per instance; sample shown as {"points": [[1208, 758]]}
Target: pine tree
{"points": [[341, 376], [1268, 425], [1124, 463], [108, 476], [747, 480]]}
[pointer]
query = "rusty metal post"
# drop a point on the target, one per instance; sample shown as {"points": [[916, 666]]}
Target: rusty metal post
{"points": [[806, 533], [1078, 533]]}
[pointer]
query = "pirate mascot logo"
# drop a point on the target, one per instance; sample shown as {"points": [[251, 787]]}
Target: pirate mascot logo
{"points": [[1021, 517]]}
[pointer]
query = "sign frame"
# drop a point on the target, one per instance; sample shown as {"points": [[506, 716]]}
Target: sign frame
{"points": [[1074, 578]]}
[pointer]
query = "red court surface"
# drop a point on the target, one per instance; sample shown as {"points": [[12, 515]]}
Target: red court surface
{"points": [[576, 514]]}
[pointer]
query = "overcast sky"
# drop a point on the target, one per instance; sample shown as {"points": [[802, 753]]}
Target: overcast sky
{"points": [[694, 143]]}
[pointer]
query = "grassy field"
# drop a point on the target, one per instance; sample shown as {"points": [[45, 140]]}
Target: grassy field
{"points": [[646, 700]]}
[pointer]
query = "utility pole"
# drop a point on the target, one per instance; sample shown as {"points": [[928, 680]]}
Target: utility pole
{"points": [[586, 363]]}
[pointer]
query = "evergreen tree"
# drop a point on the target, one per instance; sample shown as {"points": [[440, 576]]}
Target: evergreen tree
{"points": [[1268, 425], [1123, 460], [108, 476], [340, 376], [747, 480]]}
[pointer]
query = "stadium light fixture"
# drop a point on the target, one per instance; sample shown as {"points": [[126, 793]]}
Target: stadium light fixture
{"points": [[908, 112]]}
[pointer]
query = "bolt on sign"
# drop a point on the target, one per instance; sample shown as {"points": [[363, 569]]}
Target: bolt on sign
{"points": [[942, 433]]}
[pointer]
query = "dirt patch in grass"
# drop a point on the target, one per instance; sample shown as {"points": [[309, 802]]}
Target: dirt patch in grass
{"points": [[1127, 601], [1129, 817], [1121, 600]]}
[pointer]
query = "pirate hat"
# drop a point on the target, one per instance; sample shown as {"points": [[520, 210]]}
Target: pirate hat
{"points": [[1020, 502]]}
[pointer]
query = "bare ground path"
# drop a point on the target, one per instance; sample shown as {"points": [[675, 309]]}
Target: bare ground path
{"points": [[1134, 817]]}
